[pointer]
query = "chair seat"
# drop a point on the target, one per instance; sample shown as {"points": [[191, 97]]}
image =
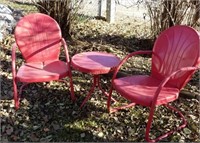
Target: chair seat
{"points": [[140, 90], [43, 71]]}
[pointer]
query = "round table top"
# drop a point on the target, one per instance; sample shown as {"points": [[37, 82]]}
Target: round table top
{"points": [[95, 62]]}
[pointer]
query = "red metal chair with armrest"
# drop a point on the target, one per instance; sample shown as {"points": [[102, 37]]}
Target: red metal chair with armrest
{"points": [[39, 39], [175, 57]]}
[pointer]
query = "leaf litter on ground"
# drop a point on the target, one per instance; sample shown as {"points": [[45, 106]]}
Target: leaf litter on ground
{"points": [[47, 113]]}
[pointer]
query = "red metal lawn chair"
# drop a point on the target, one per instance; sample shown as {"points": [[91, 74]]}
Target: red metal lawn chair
{"points": [[175, 57], [39, 39]]}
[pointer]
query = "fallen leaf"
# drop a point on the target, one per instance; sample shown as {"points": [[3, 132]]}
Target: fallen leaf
{"points": [[100, 134], [9, 130], [82, 135]]}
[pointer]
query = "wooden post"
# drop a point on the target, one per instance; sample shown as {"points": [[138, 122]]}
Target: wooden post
{"points": [[100, 8], [110, 11]]}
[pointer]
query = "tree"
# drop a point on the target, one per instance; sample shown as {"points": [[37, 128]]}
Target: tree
{"points": [[166, 13]]}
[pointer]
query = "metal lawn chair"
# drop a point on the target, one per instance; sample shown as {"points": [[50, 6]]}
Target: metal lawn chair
{"points": [[175, 57], [39, 39]]}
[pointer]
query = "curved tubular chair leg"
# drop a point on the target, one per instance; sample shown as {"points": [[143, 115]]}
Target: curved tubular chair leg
{"points": [[21, 88], [122, 107], [112, 110], [16, 97], [167, 133], [71, 88]]}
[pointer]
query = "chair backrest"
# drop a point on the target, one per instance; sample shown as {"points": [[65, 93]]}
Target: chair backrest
{"points": [[176, 47], [38, 37]]}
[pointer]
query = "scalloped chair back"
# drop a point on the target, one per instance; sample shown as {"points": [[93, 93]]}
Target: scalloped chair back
{"points": [[175, 57], [176, 47]]}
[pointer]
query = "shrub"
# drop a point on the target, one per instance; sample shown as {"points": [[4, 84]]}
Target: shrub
{"points": [[166, 13], [63, 11]]}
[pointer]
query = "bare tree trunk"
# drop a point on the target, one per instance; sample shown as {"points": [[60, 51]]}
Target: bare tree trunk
{"points": [[197, 11], [167, 13]]}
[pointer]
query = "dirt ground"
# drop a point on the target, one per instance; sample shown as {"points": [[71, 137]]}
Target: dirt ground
{"points": [[47, 113]]}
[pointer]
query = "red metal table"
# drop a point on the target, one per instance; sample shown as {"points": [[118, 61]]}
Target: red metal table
{"points": [[94, 63]]}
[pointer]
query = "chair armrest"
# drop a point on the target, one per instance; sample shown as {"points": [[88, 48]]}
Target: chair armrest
{"points": [[164, 81], [126, 58], [14, 46], [66, 50]]}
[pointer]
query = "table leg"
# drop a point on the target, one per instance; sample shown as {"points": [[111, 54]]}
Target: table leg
{"points": [[95, 78], [104, 92], [96, 83]]}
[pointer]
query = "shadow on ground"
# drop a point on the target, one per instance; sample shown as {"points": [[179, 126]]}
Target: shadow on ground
{"points": [[130, 44]]}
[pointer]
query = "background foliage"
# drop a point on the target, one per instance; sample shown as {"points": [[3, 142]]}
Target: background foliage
{"points": [[47, 113], [166, 13], [63, 11]]}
